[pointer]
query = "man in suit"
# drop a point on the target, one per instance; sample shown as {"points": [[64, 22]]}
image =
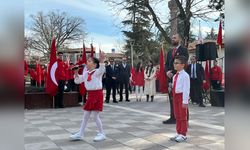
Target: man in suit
{"points": [[111, 76], [177, 50], [197, 78], [124, 75]]}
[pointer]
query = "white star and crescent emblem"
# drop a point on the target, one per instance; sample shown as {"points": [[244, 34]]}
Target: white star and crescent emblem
{"points": [[53, 72]]}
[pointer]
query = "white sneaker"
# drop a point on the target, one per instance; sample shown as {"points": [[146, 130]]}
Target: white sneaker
{"points": [[181, 138], [76, 136], [99, 137], [174, 137]]}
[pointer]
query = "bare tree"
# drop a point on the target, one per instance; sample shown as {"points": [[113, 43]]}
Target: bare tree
{"points": [[56, 24], [187, 9]]}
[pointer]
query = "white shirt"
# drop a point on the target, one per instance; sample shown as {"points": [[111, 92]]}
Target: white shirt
{"points": [[96, 79], [193, 71], [183, 85], [124, 65]]}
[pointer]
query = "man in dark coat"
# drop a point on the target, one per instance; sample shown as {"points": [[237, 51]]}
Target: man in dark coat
{"points": [[110, 81], [177, 50], [197, 78], [124, 75]]}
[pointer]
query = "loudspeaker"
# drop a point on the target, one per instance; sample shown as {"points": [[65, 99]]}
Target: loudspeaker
{"points": [[199, 52], [217, 98], [210, 51], [206, 51]]}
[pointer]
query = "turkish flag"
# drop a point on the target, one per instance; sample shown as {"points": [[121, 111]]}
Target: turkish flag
{"points": [[162, 74], [82, 88], [84, 59], [26, 68], [207, 76], [51, 83], [38, 73], [219, 37]]}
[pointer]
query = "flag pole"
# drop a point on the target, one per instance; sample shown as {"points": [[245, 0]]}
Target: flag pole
{"points": [[53, 101]]}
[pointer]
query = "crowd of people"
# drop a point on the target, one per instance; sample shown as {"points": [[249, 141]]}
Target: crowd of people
{"points": [[185, 82]]}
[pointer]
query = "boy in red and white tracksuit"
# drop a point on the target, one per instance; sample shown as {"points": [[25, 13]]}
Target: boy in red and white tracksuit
{"points": [[92, 78], [181, 90]]}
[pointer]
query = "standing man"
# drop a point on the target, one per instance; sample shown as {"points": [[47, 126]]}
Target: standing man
{"points": [[61, 77], [177, 50], [124, 75], [197, 78], [111, 76], [216, 76]]}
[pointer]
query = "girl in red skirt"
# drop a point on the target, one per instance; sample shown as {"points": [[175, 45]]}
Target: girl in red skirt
{"points": [[139, 80], [92, 78]]}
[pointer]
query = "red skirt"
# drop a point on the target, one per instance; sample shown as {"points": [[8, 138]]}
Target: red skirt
{"points": [[94, 101]]}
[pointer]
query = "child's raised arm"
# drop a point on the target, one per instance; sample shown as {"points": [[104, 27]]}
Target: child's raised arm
{"points": [[100, 71]]}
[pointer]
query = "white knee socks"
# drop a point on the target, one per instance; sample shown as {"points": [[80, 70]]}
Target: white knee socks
{"points": [[98, 121], [85, 119]]}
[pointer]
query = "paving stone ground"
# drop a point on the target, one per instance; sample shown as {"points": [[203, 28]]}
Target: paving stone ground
{"points": [[128, 126]]}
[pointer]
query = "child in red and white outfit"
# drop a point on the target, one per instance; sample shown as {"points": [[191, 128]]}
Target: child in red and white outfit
{"points": [[139, 80], [92, 78], [181, 89]]}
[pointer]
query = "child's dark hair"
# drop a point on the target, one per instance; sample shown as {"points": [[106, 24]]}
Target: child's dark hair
{"points": [[151, 63], [182, 59], [59, 53], [96, 61], [138, 67]]}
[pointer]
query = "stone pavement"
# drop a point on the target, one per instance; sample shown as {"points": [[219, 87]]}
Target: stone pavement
{"points": [[128, 126]]}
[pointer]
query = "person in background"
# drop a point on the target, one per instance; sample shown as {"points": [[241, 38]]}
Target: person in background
{"points": [[81, 97], [111, 76], [32, 77], [150, 76], [177, 50], [104, 76], [71, 84], [61, 77], [197, 78], [43, 75], [124, 75], [216, 76], [138, 80]]}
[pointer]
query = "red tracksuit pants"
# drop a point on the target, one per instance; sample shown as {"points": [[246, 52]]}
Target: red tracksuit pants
{"points": [[180, 114]]}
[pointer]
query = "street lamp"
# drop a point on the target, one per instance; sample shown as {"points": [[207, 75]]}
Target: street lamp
{"points": [[132, 42]]}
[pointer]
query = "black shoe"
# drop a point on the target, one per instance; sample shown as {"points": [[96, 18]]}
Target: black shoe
{"points": [[127, 100], [115, 101], [169, 121], [61, 106], [202, 105], [120, 100], [106, 101]]}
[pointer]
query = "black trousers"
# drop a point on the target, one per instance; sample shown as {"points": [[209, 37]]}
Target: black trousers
{"points": [[71, 85], [215, 85], [126, 85], [32, 82], [111, 86], [43, 83], [196, 91], [170, 95], [59, 96]]}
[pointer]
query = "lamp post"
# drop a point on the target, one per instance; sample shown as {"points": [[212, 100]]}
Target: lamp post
{"points": [[132, 42]]}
